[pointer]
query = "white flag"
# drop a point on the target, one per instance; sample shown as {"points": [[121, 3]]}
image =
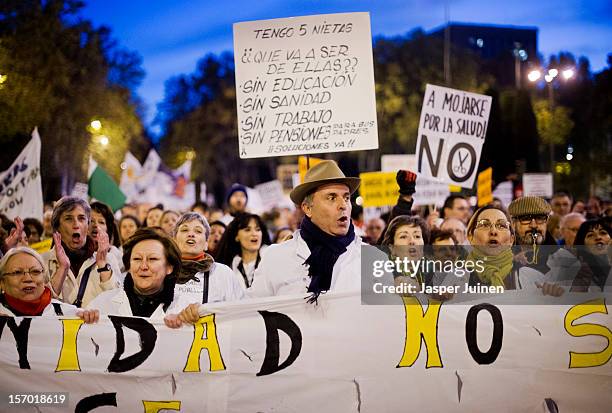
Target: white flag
{"points": [[21, 186]]}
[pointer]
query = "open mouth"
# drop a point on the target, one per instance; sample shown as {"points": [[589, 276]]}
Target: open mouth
{"points": [[412, 250], [190, 242], [76, 237], [493, 243], [28, 290], [343, 220]]}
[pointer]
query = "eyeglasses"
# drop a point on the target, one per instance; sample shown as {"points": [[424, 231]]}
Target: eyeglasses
{"points": [[34, 272], [526, 219], [501, 225]]}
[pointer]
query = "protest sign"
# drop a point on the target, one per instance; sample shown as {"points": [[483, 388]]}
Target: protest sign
{"points": [[484, 188], [428, 191], [284, 173], [283, 354], [538, 184], [42, 246], [378, 189], [271, 194], [304, 163], [20, 184], [503, 191], [452, 130], [305, 85], [80, 190]]}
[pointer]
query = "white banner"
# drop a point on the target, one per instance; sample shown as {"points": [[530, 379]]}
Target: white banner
{"points": [[305, 85], [283, 354], [21, 185], [452, 130], [428, 191]]}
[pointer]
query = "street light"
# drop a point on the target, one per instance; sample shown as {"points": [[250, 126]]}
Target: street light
{"points": [[567, 74], [96, 125], [534, 75], [103, 140]]}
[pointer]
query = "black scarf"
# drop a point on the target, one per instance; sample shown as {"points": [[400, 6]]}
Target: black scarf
{"points": [[324, 252], [145, 305], [78, 257]]}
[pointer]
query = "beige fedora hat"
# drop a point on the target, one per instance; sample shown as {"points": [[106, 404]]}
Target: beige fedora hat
{"points": [[323, 173]]}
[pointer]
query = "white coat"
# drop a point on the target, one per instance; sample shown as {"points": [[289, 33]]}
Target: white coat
{"points": [[281, 270], [223, 285], [116, 302], [70, 288]]}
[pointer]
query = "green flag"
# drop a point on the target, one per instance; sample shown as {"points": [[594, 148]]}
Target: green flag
{"points": [[103, 188]]}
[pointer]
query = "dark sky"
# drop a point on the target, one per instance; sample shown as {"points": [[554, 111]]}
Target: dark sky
{"points": [[171, 35]]}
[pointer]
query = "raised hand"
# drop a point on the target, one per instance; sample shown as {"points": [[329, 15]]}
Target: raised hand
{"points": [[17, 235], [103, 247], [406, 181], [62, 259]]}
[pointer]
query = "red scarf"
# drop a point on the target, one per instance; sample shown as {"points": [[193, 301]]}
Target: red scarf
{"points": [[198, 257], [29, 308]]}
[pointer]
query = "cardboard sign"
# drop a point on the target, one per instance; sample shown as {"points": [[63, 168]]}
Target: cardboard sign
{"points": [[305, 85], [378, 189], [452, 130], [304, 164], [538, 185], [485, 194]]}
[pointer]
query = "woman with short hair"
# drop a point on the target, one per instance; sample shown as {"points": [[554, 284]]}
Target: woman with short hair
{"points": [[153, 262], [201, 278]]}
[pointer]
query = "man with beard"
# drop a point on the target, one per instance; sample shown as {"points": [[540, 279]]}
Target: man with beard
{"points": [[324, 254], [529, 217], [81, 267]]}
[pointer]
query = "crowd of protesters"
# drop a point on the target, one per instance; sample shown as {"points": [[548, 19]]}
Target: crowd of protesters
{"points": [[148, 261]]}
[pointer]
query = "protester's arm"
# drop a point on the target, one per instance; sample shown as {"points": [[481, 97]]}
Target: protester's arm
{"points": [[407, 183], [101, 258], [59, 276], [16, 236]]}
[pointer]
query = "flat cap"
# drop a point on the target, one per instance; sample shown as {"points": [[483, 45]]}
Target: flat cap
{"points": [[528, 205]]}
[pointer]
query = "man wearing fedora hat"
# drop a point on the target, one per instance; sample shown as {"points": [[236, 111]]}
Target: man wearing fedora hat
{"points": [[324, 254]]}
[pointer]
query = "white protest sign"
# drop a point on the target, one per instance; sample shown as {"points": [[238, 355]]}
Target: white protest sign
{"points": [[271, 194], [538, 184], [20, 184], [80, 190], [503, 191], [428, 191], [452, 130], [305, 85]]}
